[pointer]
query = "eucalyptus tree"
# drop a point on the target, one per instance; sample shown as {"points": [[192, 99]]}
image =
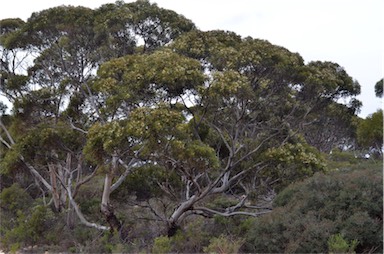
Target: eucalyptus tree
{"points": [[131, 85], [370, 133], [62, 50], [138, 22], [12, 61], [212, 114], [332, 127], [330, 95], [130, 88], [53, 102]]}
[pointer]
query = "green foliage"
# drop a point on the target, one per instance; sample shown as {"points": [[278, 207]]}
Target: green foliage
{"points": [[192, 238], [195, 111], [157, 26], [343, 156], [217, 235], [307, 213], [144, 182], [194, 154], [294, 162], [337, 244], [203, 45], [9, 27], [135, 78], [223, 244], [13, 81], [30, 228], [51, 139], [43, 27], [370, 131], [14, 203], [351, 160], [222, 202], [334, 126], [227, 84], [15, 199], [102, 243], [10, 162], [162, 244], [327, 78], [365, 228], [155, 124], [102, 140]]}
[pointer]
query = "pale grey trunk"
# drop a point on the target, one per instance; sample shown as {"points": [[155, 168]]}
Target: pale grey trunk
{"points": [[106, 207], [55, 193], [106, 192], [179, 214]]}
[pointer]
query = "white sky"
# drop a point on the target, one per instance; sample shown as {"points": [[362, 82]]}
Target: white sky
{"points": [[348, 32]]}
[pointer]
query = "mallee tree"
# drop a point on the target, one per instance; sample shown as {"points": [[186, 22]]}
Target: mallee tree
{"points": [[212, 115]]}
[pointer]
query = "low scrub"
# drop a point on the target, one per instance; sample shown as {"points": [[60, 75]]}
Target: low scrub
{"points": [[309, 214]]}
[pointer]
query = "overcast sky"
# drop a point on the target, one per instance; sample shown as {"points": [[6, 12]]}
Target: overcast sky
{"points": [[348, 32]]}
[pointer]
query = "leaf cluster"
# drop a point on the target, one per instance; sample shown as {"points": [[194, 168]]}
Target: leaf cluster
{"points": [[294, 161]]}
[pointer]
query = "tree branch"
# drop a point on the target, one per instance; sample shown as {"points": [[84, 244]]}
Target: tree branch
{"points": [[76, 128], [210, 212], [5, 143], [223, 139], [83, 181], [254, 150], [79, 214], [7, 132], [36, 173], [128, 170]]}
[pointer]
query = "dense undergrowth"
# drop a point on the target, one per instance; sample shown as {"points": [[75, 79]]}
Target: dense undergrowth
{"points": [[339, 211]]}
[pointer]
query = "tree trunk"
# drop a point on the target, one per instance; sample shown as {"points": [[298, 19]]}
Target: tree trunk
{"points": [[179, 214], [55, 190], [106, 208], [172, 229], [70, 217]]}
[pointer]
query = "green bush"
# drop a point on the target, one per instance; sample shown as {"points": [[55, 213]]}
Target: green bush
{"points": [[308, 213], [32, 228], [14, 198], [162, 244], [351, 160], [337, 244], [193, 237], [223, 244]]}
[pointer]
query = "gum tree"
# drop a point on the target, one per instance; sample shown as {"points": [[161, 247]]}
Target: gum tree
{"points": [[53, 102], [219, 120], [209, 114]]}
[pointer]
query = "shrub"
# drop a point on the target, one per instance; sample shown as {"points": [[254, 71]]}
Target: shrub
{"points": [[30, 228], [193, 237], [14, 198], [308, 213], [337, 243], [223, 244], [162, 244]]}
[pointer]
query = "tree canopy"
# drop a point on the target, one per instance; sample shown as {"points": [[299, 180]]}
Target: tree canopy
{"points": [[215, 122], [370, 132], [379, 88]]}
